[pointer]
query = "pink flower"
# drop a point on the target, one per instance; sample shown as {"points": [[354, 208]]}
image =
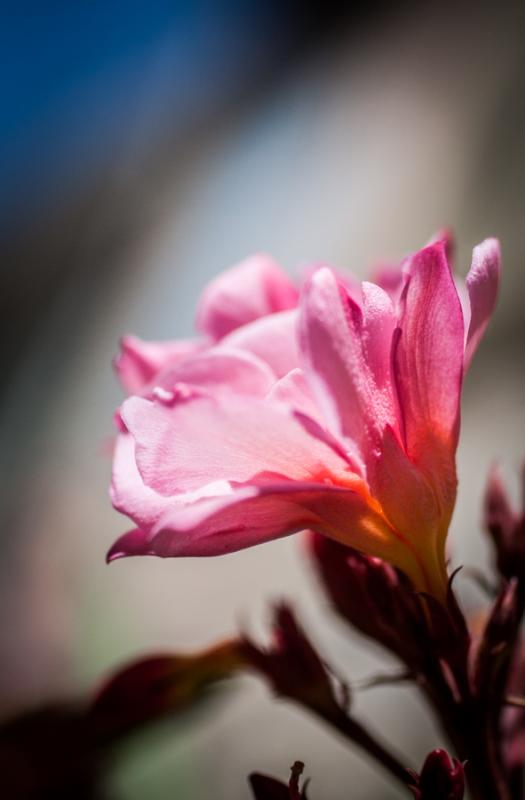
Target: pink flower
{"points": [[341, 416]]}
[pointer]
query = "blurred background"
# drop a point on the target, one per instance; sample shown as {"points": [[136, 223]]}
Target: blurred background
{"points": [[144, 147]]}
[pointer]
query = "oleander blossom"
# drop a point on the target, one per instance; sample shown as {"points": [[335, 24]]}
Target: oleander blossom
{"points": [[334, 408]]}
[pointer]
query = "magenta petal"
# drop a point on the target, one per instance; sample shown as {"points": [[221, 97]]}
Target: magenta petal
{"points": [[252, 289], [428, 357], [132, 543], [482, 286], [446, 238]]}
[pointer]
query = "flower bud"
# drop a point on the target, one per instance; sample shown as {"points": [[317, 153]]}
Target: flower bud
{"points": [[506, 528], [293, 667], [493, 654], [373, 596], [155, 686], [442, 778], [513, 722], [265, 787]]}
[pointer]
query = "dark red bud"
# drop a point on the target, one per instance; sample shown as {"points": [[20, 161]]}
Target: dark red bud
{"points": [[492, 660], [293, 667], [373, 597], [265, 787], [506, 528], [155, 686], [442, 778]]}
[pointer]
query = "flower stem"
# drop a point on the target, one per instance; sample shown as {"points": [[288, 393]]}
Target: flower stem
{"points": [[359, 735]]}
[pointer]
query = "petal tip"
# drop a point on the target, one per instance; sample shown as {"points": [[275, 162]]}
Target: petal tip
{"points": [[114, 554], [132, 543]]}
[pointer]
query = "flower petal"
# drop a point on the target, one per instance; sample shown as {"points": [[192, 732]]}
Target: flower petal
{"points": [[128, 492], [292, 390], [132, 543], [139, 361], [412, 506], [282, 477], [346, 352], [445, 237], [230, 521], [201, 440], [245, 292], [131, 496], [252, 515], [428, 359], [272, 338], [220, 369], [482, 286]]}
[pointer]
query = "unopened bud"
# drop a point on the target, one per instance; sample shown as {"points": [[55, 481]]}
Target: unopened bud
{"points": [[293, 667], [265, 787], [506, 528], [494, 651], [442, 778], [373, 596]]}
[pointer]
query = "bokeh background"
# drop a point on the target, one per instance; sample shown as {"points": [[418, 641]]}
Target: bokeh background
{"points": [[145, 147]]}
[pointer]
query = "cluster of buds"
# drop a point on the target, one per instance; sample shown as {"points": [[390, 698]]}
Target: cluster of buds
{"points": [[431, 640], [441, 778], [474, 677], [475, 681]]}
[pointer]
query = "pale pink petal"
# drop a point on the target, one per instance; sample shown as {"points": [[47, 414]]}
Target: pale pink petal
{"points": [[428, 358], [220, 369], [250, 516], [247, 517], [128, 492], [294, 393], [482, 286], [322, 434], [201, 440], [131, 496], [346, 353], [272, 338], [139, 361], [292, 390], [245, 292], [378, 325]]}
